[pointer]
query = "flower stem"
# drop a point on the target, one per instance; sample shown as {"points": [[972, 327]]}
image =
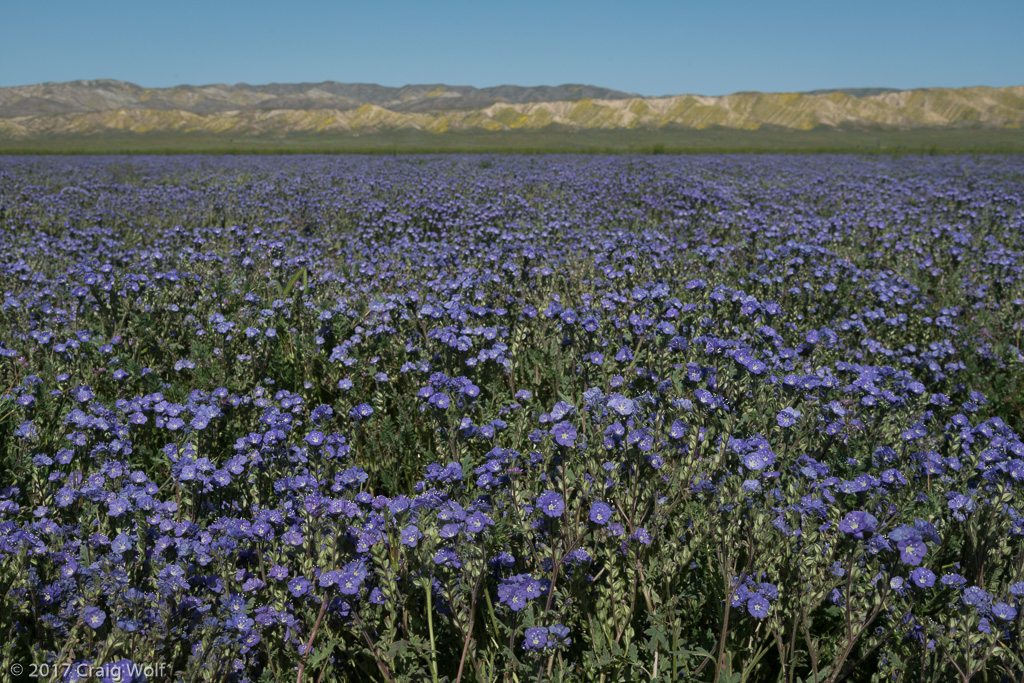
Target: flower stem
{"points": [[430, 627]]}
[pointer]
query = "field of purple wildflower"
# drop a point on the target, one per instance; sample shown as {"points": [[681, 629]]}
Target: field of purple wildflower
{"points": [[484, 418]]}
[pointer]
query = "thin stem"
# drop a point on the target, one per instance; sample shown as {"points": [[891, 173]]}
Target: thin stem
{"points": [[309, 643], [430, 627]]}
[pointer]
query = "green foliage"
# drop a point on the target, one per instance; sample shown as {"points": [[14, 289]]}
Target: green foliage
{"points": [[637, 141]]}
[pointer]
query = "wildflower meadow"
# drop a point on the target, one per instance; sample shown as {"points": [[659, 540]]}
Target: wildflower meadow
{"points": [[512, 418]]}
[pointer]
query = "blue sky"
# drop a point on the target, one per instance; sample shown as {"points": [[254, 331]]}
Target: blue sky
{"points": [[644, 46]]}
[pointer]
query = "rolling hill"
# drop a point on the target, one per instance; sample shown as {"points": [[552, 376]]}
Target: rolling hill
{"points": [[100, 109]]}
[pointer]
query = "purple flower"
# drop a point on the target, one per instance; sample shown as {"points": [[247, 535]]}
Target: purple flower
{"points": [[954, 580], [298, 586], [123, 671], [65, 497], [447, 558], [536, 638], [912, 550], [121, 544], [561, 410], [551, 504], [757, 605], [642, 536], [600, 512], [564, 433], [788, 417], [477, 521], [235, 604], [516, 601], [975, 596], [1002, 610], [94, 617], [960, 505], [362, 411], [759, 459], [321, 413], [858, 524], [620, 404], [27, 430], [117, 507], [516, 591], [560, 634], [351, 578], [82, 393], [922, 577], [410, 536], [328, 579]]}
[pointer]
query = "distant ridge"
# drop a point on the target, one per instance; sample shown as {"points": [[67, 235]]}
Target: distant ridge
{"points": [[856, 92], [107, 95], [98, 107]]}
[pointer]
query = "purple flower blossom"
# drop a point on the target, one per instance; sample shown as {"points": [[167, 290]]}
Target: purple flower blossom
{"points": [[620, 404], [1004, 611], [922, 577], [858, 524], [551, 504], [350, 578], [94, 617], [82, 393], [757, 605], [477, 521], [516, 591], [298, 586], [536, 638], [410, 536], [788, 417], [600, 512], [564, 433], [361, 411], [912, 550], [975, 596]]}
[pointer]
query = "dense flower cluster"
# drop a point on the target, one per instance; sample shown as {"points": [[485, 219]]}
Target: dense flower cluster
{"points": [[464, 417]]}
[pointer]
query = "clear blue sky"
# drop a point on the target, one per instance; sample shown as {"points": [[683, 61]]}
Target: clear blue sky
{"points": [[645, 46]]}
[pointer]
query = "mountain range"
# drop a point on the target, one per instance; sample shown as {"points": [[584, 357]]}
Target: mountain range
{"points": [[97, 107]]}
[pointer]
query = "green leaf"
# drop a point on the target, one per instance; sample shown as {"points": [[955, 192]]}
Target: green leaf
{"points": [[321, 654], [287, 290]]}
